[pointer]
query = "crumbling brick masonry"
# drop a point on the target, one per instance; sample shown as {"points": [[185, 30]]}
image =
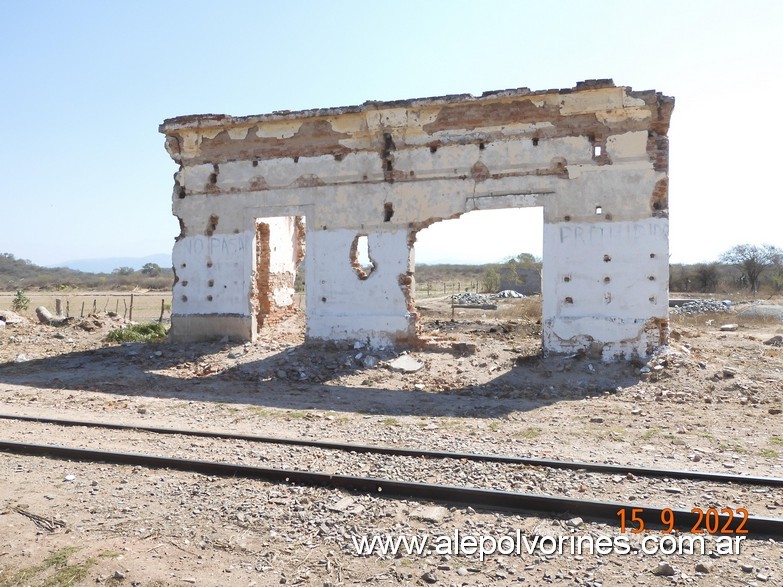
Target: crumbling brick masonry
{"points": [[595, 157]]}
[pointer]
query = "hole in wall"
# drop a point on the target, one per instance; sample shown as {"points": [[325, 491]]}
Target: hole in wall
{"points": [[535, 141], [296, 159], [569, 300], [597, 151], [567, 218], [481, 146], [255, 162], [599, 210], [184, 298], [209, 298], [480, 252], [388, 211], [185, 283], [211, 282], [607, 279], [652, 255], [211, 225], [607, 258], [361, 261], [567, 278], [433, 149]]}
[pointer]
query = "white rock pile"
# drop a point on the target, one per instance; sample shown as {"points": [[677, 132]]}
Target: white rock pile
{"points": [[701, 307]]}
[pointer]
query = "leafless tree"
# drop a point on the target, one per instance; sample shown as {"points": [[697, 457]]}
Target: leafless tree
{"points": [[752, 260]]}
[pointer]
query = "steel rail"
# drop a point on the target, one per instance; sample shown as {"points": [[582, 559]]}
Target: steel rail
{"points": [[423, 453], [483, 498]]}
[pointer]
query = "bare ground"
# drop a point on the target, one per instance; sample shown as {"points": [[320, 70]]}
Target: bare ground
{"points": [[712, 401]]}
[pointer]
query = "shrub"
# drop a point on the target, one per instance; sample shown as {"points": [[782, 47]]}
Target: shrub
{"points": [[20, 302], [147, 332]]}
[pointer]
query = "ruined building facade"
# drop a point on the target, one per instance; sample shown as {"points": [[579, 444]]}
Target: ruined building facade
{"points": [[252, 190]]}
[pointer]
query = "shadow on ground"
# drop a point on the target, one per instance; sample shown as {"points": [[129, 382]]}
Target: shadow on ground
{"points": [[310, 377]]}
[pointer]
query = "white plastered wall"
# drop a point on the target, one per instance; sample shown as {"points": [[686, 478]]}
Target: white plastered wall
{"points": [[594, 209]]}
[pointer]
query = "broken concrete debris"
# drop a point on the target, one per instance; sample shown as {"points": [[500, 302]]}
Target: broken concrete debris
{"points": [[406, 364], [251, 190]]}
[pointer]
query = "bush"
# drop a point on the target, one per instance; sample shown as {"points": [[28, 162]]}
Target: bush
{"points": [[147, 332], [20, 302]]}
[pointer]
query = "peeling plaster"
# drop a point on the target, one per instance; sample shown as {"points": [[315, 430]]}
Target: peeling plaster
{"points": [[387, 170]]}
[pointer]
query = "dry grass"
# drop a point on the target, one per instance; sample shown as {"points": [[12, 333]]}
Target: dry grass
{"points": [[146, 305], [527, 309]]}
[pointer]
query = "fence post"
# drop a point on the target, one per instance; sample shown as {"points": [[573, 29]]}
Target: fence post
{"points": [[162, 306], [130, 314], [58, 307]]}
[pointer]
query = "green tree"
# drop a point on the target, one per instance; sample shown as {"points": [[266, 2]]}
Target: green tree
{"points": [[491, 280], [124, 271], [151, 269]]}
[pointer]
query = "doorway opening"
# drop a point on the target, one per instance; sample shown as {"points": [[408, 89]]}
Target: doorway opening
{"points": [[481, 273], [280, 249]]}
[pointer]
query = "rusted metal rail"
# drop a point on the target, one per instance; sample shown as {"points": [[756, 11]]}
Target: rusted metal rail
{"points": [[422, 453], [482, 498]]}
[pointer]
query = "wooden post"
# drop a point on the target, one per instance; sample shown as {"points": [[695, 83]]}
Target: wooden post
{"points": [[162, 307], [82, 314], [117, 306], [130, 313], [58, 307], [95, 306], [125, 311], [67, 308]]}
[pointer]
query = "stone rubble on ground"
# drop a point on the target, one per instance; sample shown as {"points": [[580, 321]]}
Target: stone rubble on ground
{"points": [[697, 307]]}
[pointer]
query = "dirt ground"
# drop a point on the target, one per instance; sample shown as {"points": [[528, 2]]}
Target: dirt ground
{"points": [[712, 401]]}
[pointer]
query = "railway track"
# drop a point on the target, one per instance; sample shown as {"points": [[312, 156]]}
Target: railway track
{"points": [[651, 516]]}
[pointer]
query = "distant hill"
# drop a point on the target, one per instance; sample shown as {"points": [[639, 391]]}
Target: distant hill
{"points": [[109, 264], [22, 274]]}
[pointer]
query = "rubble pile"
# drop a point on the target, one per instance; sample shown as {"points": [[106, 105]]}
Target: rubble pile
{"points": [[701, 307], [475, 299], [471, 299], [508, 293]]}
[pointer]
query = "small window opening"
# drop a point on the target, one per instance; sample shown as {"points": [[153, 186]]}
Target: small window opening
{"points": [[360, 258], [599, 210], [388, 211], [597, 151], [535, 141]]}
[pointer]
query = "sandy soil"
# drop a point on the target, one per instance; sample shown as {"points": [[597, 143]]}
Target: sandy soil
{"points": [[712, 401]]}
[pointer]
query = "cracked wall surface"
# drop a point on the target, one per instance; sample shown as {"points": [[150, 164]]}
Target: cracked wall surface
{"points": [[594, 157]]}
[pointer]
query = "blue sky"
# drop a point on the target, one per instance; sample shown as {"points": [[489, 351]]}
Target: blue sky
{"points": [[84, 86]]}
